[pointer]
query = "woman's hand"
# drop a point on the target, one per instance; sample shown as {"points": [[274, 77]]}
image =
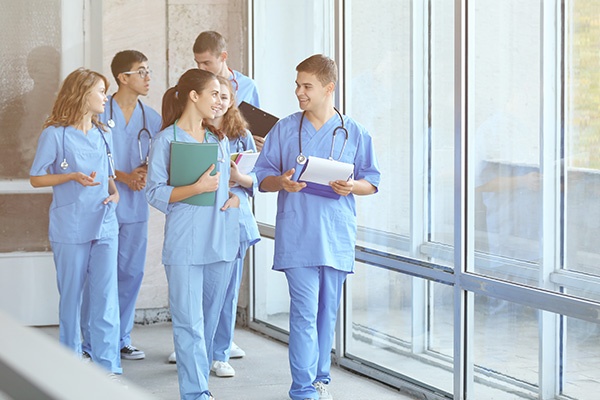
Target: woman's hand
{"points": [[237, 178], [85, 180], [207, 182], [232, 202]]}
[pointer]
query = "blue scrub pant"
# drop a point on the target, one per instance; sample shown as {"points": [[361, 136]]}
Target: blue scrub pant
{"points": [[95, 261], [226, 327], [315, 294], [196, 296], [133, 240]]}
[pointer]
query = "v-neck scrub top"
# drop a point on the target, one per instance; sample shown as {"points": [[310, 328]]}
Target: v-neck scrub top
{"points": [[77, 213], [133, 206], [193, 234], [312, 230]]}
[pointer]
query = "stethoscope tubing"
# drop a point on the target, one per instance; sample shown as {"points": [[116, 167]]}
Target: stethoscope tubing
{"points": [[111, 124], [111, 163], [301, 158]]}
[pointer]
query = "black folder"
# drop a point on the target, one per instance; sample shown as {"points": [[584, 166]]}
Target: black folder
{"points": [[259, 122]]}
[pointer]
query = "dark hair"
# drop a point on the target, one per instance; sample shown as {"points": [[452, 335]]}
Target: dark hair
{"points": [[210, 41], [175, 98], [234, 125], [323, 67], [124, 60]]}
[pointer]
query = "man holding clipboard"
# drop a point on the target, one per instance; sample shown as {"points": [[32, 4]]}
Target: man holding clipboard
{"points": [[315, 235]]}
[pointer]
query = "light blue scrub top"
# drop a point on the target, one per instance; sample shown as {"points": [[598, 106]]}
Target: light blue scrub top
{"points": [[248, 227], [133, 206], [194, 235], [77, 213], [312, 230], [246, 89]]}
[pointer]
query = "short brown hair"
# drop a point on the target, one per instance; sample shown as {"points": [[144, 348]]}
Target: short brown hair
{"points": [[323, 67], [210, 41]]}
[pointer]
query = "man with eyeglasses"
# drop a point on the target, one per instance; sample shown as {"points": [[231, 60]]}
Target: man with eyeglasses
{"points": [[133, 125]]}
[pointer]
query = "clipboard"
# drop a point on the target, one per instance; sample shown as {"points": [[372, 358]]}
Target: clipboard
{"points": [[259, 122], [188, 162], [318, 172]]}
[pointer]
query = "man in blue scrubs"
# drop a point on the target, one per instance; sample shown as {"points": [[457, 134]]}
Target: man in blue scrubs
{"points": [[315, 235], [210, 54], [133, 126]]}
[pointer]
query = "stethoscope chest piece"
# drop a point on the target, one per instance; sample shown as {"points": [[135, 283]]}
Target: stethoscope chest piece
{"points": [[110, 122], [64, 164], [301, 159]]}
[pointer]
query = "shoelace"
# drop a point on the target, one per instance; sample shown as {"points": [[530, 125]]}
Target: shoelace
{"points": [[320, 386], [129, 348]]}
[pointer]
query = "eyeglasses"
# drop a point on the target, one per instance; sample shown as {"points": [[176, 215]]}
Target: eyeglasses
{"points": [[142, 71]]}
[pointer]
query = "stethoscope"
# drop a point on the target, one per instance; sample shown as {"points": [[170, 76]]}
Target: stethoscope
{"points": [[144, 130], [301, 159], [237, 85], [111, 163], [206, 131]]}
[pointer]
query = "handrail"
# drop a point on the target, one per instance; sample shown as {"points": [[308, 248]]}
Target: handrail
{"points": [[34, 366]]}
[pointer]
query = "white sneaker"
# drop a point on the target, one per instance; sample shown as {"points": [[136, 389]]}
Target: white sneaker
{"points": [[172, 358], [235, 351], [322, 390], [222, 369], [130, 352]]}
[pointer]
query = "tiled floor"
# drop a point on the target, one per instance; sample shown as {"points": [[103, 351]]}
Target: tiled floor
{"points": [[262, 374]]}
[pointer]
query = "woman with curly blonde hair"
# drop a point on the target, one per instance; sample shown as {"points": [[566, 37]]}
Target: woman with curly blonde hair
{"points": [[74, 158]]}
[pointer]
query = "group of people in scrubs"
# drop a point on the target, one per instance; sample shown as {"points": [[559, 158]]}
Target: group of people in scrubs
{"points": [[99, 248]]}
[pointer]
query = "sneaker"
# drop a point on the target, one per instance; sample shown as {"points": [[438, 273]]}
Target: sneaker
{"points": [[322, 390], [222, 369], [86, 357], [115, 378], [236, 352], [172, 358], [131, 353]]}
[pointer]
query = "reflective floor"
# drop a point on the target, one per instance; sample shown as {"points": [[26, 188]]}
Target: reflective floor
{"points": [[262, 374]]}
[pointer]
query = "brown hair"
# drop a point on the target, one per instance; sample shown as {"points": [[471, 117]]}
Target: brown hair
{"points": [[210, 41], [234, 125], [323, 67], [175, 98], [70, 104]]}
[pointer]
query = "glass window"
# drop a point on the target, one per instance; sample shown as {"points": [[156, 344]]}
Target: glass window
{"points": [[504, 138], [389, 326], [377, 95], [581, 160], [283, 46]]}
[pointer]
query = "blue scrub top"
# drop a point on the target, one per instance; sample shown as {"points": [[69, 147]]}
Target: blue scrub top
{"points": [[312, 230], [133, 206], [77, 213], [194, 235], [248, 227], [246, 89]]}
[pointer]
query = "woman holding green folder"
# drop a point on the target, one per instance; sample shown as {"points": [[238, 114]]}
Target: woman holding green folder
{"points": [[201, 242]]}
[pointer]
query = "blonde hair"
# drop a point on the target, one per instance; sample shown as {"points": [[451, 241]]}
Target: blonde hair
{"points": [[234, 125], [71, 101]]}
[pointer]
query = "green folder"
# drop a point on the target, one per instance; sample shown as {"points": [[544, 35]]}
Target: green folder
{"points": [[188, 162]]}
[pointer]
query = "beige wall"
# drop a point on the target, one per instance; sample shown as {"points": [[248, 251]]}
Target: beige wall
{"points": [[165, 33]]}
